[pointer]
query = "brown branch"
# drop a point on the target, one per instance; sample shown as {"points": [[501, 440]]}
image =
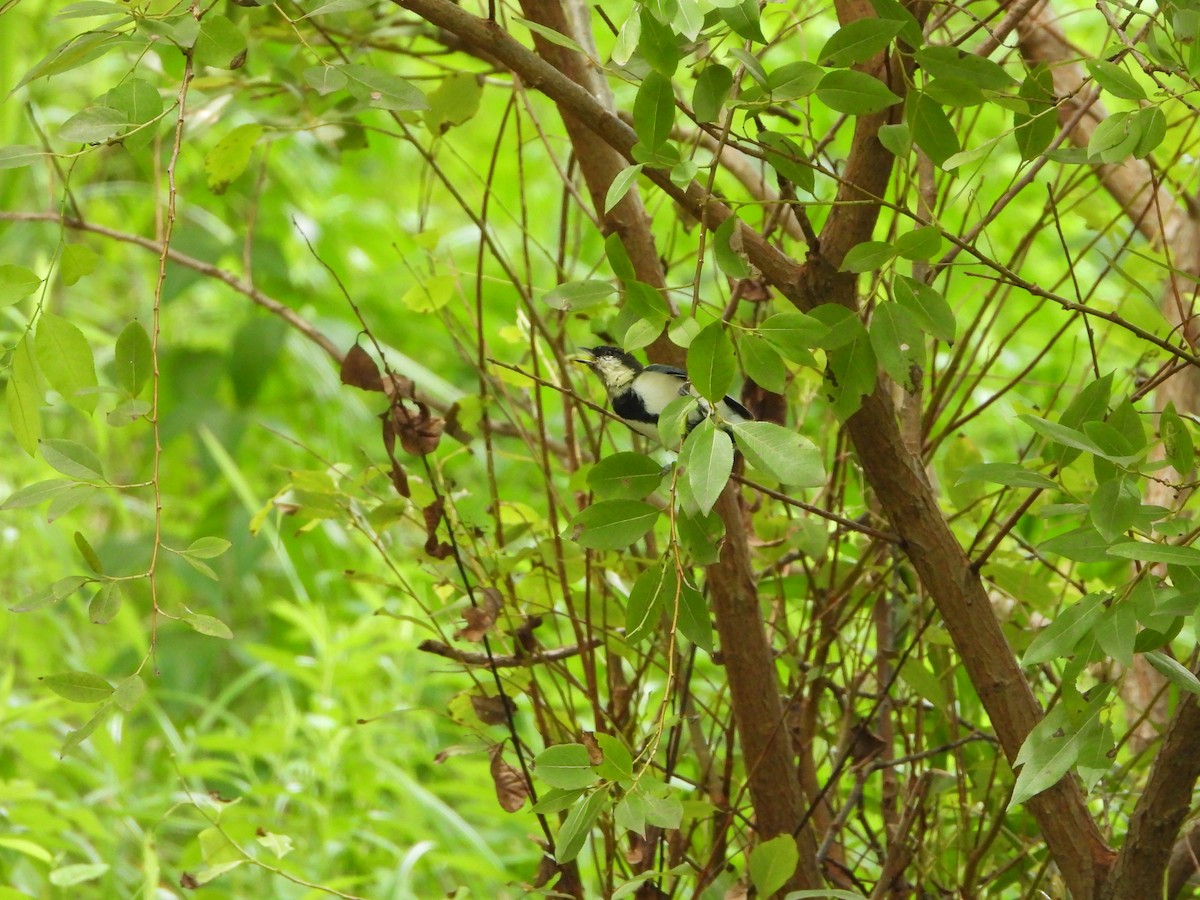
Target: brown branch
{"points": [[897, 478], [469, 658], [1161, 809]]}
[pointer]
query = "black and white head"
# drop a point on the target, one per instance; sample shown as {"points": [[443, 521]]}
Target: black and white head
{"points": [[615, 368]]}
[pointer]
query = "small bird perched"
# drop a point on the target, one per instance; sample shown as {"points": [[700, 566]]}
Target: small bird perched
{"points": [[638, 394]]}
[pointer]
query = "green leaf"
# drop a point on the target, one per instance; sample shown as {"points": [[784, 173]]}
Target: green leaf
{"points": [[89, 555], [1080, 544], [72, 53], [573, 295], [794, 334], [93, 125], [784, 454], [693, 618], [81, 687], [630, 814], [1089, 405], [706, 460], [139, 101], [133, 358], [220, 43], [1045, 757], [79, 873], [897, 139], [454, 101], [105, 603], [39, 492], [699, 536], [64, 587], [952, 63], [628, 475], [743, 17], [382, 90], [620, 186], [654, 110], [577, 827], [711, 91], [209, 625], [1174, 671], [1114, 507], [855, 93], [1065, 436], [898, 343], [554, 37], [614, 249], [77, 261], [931, 128], [17, 156], [613, 524], [1177, 440], [129, 690], [893, 10], [72, 459], [1009, 474], [1114, 139], [23, 396], [727, 247], [787, 159], [928, 307], [16, 282], [1116, 631], [762, 363], [793, 80], [652, 595], [920, 243], [1059, 638], [325, 79], [84, 731], [618, 763], [429, 294], [857, 42], [1151, 127], [556, 800], [565, 766], [1144, 551], [229, 156], [65, 358], [207, 547], [711, 363], [772, 863], [851, 361], [1036, 129], [1114, 79], [868, 256], [659, 45]]}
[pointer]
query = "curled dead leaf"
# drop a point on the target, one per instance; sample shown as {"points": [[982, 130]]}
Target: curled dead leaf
{"points": [[511, 786], [360, 371], [493, 710], [595, 754], [419, 432], [433, 517], [481, 618]]}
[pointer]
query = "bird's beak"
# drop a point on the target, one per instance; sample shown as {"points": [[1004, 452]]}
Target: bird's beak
{"points": [[585, 356]]}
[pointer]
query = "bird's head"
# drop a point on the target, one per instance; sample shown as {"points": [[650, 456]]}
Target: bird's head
{"points": [[615, 367]]}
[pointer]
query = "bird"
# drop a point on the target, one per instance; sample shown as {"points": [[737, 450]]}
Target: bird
{"points": [[638, 394]]}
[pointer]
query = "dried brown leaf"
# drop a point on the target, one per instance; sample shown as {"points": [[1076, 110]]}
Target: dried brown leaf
{"points": [[595, 754], [433, 517], [360, 371], [493, 710], [400, 480], [481, 618], [511, 786], [419, 432]]}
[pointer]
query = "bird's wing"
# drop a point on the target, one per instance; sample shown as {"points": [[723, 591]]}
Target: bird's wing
{"points": [[667, 370]]}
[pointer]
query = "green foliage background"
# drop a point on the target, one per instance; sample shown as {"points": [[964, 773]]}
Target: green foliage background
{"points": [[296, 713]]}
